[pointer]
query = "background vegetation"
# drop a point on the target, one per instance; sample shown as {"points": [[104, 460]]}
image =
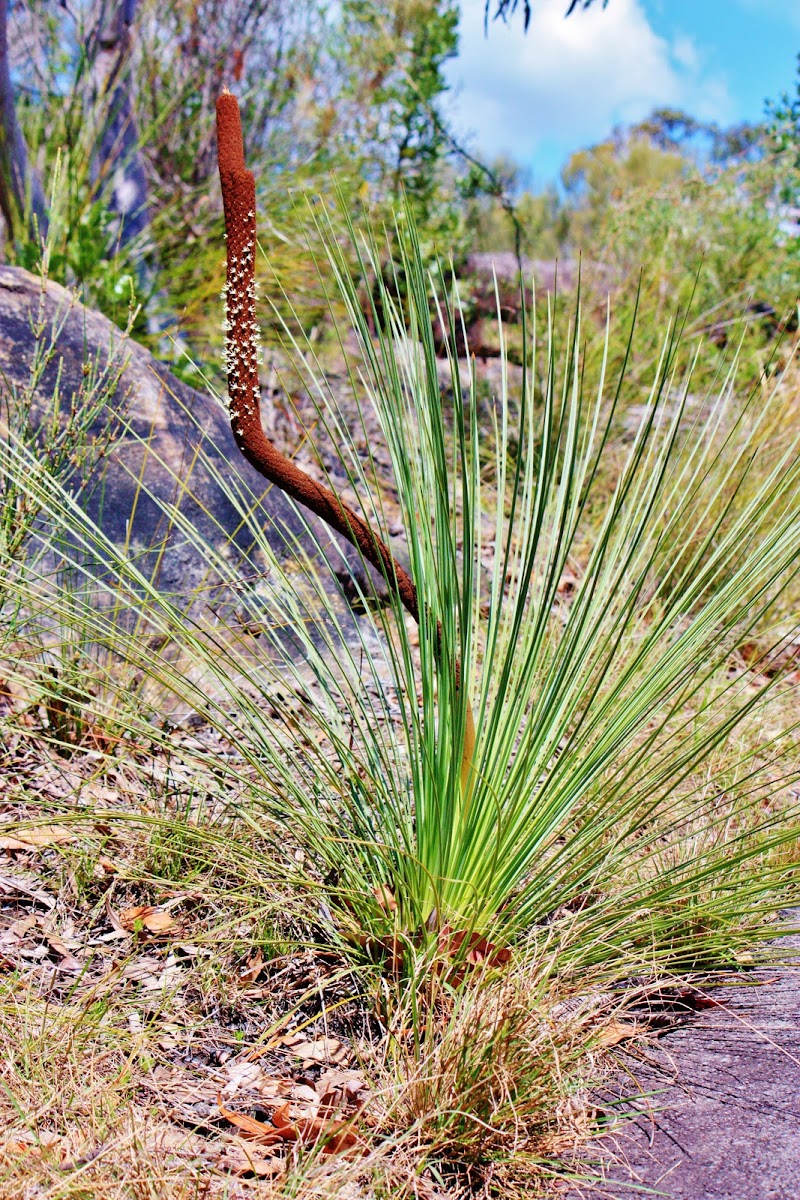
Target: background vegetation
{"points": [[122, 95]]}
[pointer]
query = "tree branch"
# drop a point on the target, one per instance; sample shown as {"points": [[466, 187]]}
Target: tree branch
{"points": [[507, 8]]}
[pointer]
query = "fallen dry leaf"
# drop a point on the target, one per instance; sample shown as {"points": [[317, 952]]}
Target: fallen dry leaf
{"points": [[12, 843], [337, 1077], [275, 1089], [253, 968], [45, 1141], [37, 838], [322, 1050], [266, 1135], [291, 1039], [339, 1135], [10, 884], [146, 916], [68, 960], [105, 866], [305, 1094], [11, 1149], [153, 974], [238, 1160], [385, 898], [241, 1075], [98, 791], [616, 1031], [24, 925]]}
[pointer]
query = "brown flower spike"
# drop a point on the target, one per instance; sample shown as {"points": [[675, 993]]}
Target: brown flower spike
{"points": [[242, 356]]}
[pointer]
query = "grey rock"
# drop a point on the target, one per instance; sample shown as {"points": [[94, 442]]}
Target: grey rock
{"points": [[546, 272], [717, 1116], [156, 462]]}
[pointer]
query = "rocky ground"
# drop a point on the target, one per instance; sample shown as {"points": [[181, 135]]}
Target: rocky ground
{"points": [[712, 1108]]}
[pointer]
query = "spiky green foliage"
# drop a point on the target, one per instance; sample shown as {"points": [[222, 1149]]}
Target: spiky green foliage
{"points": [[580, 707], [582, 591]]}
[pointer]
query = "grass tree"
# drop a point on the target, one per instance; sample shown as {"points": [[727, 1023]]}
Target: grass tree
{"points": [[607, 587], [590, 713]]}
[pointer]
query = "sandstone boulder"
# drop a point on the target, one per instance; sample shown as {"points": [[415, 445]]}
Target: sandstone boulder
{"points": [[177, 446]]}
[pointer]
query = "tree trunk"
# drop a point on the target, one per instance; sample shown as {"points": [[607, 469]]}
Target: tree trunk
{"points": [[21, 193], [118, 161]]}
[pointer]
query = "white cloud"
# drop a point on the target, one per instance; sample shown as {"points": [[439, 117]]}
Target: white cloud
{"points": [[684, 53], [566, 83]]}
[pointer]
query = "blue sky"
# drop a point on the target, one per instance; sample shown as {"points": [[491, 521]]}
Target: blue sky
{"points": [[565, 84]]}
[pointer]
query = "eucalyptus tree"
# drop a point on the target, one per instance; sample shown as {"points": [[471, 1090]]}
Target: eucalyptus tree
{"points": [[21, 191]]}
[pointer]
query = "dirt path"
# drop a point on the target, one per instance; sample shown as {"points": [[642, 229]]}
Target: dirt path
{"points": [[719, 1113]]}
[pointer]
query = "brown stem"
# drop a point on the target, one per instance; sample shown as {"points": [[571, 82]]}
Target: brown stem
{"points": [[242, 359]]}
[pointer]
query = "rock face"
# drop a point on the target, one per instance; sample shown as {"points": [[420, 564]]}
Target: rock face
{"points": [[492, 291], [717, 1116], [185, 436], [547, 273]]}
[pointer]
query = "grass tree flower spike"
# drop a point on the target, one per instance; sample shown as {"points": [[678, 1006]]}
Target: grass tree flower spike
{"points": [[242, 354]]}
